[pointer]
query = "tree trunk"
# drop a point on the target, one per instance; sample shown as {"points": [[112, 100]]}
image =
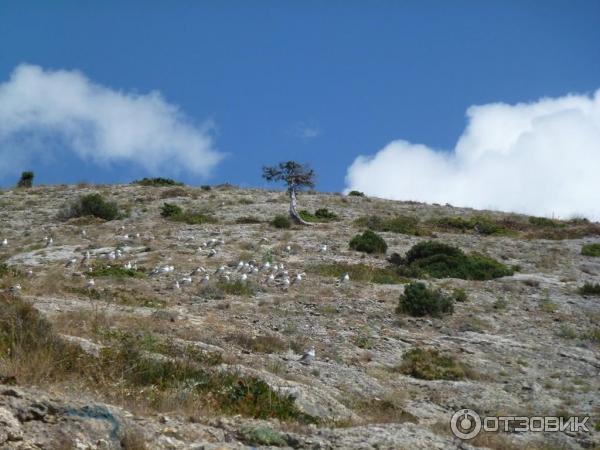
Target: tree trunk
{"points": [[293, 213]]}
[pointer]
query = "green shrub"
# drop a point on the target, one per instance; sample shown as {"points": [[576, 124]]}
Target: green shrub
{"points": [[358, 272], [237, 287], [441, 260], [481, 224], [429, 364], [262, 435], [398, 224], [320, 215], [460, 295], [176, 213], [205, 187], [589, 289], [26, 180], [92, 205], [281, 222], [545, 222], [170, 210], [417, 300], [158, 181], [356, 194], [591, 250], [368, 242], [247, 220]]}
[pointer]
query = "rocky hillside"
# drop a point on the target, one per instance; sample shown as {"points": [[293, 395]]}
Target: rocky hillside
{"points": [[183, 326]]}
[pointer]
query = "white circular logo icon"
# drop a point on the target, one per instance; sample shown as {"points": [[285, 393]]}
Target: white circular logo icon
{"points": [[465, 424]]}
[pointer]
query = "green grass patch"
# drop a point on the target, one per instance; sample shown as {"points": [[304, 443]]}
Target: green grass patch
{"points": [[418, 300], [237, 287], [592, 289], [174, 212], [398, 224], [481, 224], [591, 250], [117, 272], [440, 260], [359, 272], [429, 364], [280, 221], [319, 216]]}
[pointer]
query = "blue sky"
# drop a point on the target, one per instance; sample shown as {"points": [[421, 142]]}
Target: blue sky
{"points": [[318, 82]]}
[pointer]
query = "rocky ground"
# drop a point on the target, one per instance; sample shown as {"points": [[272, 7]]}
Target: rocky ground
{"points": [[528, 342]]}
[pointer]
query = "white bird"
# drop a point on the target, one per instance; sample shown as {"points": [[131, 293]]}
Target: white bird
{"points": [[83, 233], [137, 235], [186, 280], [206, 279], [288, 249], [29, 273], [264, 239], [266, 266], [255, 270], [298, 278], [212, 253], [244, 277], [90, 283], [226, 278], [345, 278], [198, 270], [286, 283], [127, 266], [111, 256], [171, 268], [308, 357], [271, 279], [4, 242], [176, 285], [49, 242], [15, 288], [119, 253], [71, 262], [323, 248]]}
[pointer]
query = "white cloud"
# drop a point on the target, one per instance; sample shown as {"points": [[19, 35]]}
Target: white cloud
{"points": [[39, 108], [540, 158]]}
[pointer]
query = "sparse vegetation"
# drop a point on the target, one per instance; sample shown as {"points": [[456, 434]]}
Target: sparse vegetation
{"points": [[158, 181], [281, 222], [429, 364], [368, 242], [440, 260], [247, 220], [480, 224], [258, 344], [418, 300], [592, 289], [117, 272], [237, 287], [91, 205], [26, 180], [356, 194], [262, 435], [591, 250]]}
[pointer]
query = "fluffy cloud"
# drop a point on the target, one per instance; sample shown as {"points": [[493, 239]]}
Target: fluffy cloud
{"points": [[46, 113], [540, 158]]}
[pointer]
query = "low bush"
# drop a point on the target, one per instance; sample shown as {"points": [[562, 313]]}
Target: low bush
{"points": [[545, 222], [258, 344], [417, 300], [429, 364], [158, 181], [91, 205], [356, 194], [281, 222], [368, 242], [26, 180], [237, 287], [358, 272], [262, 435], [480, 224], [247, 220], [592, 289], [441, 260], [320, 215], [205, 187], [591, 250], [177, 214]]}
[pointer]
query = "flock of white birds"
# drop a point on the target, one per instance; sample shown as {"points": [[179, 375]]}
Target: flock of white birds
{"points": [[274, 274]]}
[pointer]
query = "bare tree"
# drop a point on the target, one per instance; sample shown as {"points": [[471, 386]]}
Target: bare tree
{"points": [[296, 176]]}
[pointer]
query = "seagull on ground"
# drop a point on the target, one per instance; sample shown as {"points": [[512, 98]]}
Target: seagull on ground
{"points": [[308, 357], [4, 242], [90, 283], [323, 248]]}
